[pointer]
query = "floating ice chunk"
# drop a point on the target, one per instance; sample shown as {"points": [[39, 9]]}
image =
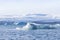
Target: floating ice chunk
{"points": [[26, 27]]}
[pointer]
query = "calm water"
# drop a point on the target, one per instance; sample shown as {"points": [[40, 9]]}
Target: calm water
{"points": [[41, 34]]}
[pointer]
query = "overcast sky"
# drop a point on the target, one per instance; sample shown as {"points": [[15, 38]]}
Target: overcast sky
{"points": [[22, 7]]}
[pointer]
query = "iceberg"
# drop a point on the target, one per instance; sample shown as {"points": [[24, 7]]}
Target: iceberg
{"points": [[35, 26], [26, 27], [31, 22]]}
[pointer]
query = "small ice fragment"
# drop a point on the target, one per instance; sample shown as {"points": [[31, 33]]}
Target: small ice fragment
{"points": [[17, 28]]}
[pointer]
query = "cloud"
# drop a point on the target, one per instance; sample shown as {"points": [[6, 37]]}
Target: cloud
{"points": [[18, 7]]}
